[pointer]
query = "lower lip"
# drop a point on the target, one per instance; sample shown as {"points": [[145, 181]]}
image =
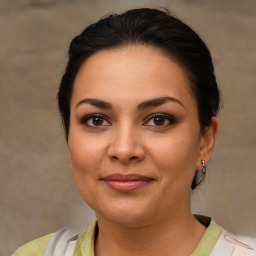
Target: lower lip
{"points": [[126, 186]]}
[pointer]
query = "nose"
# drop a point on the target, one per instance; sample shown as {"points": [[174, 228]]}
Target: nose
{"points": [[126, 145]]}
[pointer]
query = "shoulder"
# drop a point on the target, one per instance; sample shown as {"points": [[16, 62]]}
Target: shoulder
{"points": [[235, 245], [33, 248]]}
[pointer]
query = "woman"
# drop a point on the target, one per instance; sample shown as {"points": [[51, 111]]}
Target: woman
{"points": [[139, 101]]}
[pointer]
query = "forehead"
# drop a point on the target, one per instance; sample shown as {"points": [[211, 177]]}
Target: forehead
{"points": [[131, 71]]}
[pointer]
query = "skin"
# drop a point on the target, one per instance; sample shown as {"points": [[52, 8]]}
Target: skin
{"points": [[129, 139]]}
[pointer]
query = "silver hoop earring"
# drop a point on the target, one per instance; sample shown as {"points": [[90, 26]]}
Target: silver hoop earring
{"points": [[204, 167]]}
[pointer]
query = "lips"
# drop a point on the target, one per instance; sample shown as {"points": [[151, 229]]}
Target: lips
{"points": [[126, 183]]}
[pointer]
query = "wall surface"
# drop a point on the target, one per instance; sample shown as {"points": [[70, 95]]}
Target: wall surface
{"points": [[37, 191]]}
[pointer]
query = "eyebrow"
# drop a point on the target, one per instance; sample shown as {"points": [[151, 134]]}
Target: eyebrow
{"points": [[157, 102], [143, 105], [95, 102]]}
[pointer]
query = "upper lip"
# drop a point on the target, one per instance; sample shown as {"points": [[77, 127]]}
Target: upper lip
{"points": [[127, 177]]}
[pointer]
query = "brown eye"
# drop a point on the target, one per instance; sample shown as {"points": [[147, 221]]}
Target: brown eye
{"points": [[95, 120], [159, 121]]}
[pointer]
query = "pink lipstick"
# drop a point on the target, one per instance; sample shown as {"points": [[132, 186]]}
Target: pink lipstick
{"points": [[126, 183]]}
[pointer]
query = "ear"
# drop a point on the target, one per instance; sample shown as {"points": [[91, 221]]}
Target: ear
{"points": [[208, 139]]}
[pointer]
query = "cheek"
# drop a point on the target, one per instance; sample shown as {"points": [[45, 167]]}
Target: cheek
{"points": [[86, 155], [175, 150], [175, 160], [176, 155]]}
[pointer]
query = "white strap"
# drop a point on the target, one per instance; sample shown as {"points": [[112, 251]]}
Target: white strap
{"points": [[232, 245], [240, 251], [62, 243], [71, 248]]}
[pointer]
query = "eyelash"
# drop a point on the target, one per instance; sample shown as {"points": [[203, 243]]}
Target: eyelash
{"points": [[171, 120], [85, 120]]}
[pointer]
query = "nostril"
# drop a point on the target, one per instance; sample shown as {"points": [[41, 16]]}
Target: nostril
{"points": [[122, 159]]}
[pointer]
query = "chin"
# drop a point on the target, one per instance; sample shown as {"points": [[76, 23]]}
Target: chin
{"points": [[126, 214]]}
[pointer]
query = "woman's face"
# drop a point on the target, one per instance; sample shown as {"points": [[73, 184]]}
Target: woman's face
{"points": [[134, 137]]}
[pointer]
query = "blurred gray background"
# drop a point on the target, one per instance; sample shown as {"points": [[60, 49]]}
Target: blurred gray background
{"points": [[37, 191]]}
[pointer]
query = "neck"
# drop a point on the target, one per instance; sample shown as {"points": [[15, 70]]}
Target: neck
{"points": [[176, 235]]}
